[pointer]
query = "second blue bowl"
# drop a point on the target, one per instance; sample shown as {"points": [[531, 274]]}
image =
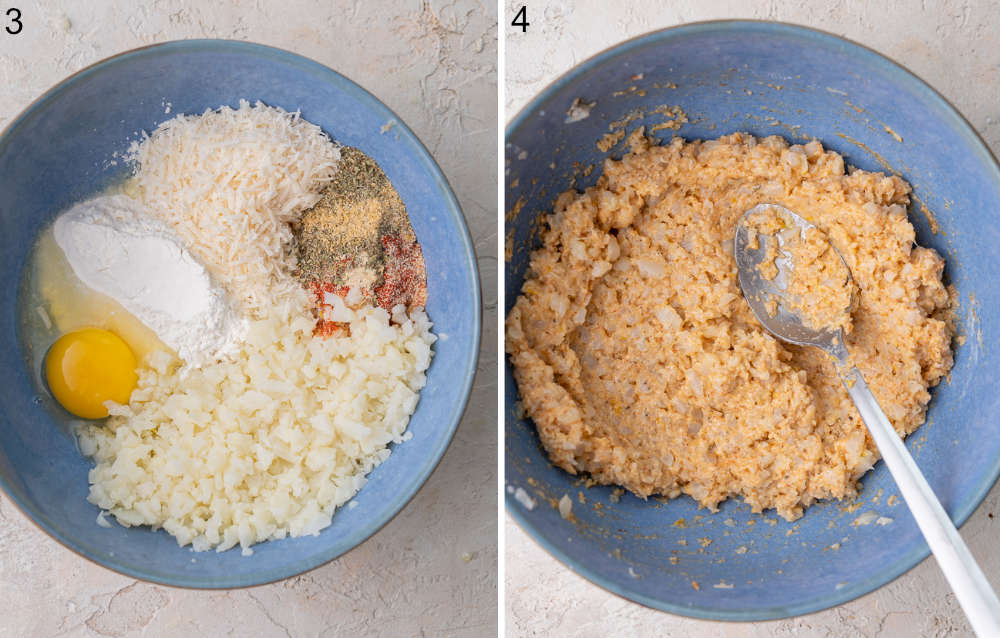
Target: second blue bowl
{"points": [[768, 79]]}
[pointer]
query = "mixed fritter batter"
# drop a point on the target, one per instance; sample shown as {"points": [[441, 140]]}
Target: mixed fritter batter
{"points": [[641, 364]]}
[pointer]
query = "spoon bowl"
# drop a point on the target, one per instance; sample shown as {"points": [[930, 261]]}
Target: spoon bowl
{"points": [[750, 252]]}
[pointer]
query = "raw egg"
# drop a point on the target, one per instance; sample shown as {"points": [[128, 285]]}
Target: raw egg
{"points": [[87, 367]]}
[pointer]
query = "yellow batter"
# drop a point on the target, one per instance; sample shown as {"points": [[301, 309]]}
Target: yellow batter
{"points": [[641, 364]]}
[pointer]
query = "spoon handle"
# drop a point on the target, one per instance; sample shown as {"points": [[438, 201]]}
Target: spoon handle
{"points": [[971, 588]]}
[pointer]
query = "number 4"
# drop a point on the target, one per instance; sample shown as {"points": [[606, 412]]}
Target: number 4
{"points": [[522, 16]]}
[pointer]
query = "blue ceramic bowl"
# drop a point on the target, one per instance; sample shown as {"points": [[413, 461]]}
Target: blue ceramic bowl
{"points": [[56, 153], [768, 79]]}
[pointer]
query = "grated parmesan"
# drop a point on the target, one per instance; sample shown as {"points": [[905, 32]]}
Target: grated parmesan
{"points": [[232, 195]]}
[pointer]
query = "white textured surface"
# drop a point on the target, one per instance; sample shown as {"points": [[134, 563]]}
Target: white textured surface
{"points": [[950, 44], [434, 63]]}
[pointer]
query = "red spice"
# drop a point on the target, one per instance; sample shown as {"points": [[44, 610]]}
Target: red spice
{"points": [[404, 280], [325, 327]]}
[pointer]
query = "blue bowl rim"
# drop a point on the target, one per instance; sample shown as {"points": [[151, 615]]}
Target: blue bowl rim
{"points": [[466, 376], [961, 512]]}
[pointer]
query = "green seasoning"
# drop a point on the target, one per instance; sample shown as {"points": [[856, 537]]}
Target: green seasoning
{"points": [[358, 237], [356, 210]]}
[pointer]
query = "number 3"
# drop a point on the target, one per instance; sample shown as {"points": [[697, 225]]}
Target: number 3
{"points": [[15, 18]]}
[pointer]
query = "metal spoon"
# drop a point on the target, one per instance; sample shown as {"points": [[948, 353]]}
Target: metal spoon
{"points": [[963, 573]]}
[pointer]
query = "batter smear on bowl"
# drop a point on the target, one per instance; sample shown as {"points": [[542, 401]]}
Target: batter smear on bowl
{"points": [[641, 364]]}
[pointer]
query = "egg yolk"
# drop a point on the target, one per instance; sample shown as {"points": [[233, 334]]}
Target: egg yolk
{"points": [[87, 367]]}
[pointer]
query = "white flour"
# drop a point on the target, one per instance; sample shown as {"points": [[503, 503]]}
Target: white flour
{"points": [[118, 249]]}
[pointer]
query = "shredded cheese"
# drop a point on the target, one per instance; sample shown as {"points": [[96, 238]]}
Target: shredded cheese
{"points": [[232, 195]]}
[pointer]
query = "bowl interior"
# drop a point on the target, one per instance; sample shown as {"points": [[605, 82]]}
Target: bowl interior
{"points": [[767, 79], [58, 153]]}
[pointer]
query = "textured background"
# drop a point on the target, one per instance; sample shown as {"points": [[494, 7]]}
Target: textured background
{"points": [[952, 45], [432, 570]]}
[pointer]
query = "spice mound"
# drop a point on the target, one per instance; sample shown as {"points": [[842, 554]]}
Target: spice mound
{"points": [[640, 362], [357, 243]]}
